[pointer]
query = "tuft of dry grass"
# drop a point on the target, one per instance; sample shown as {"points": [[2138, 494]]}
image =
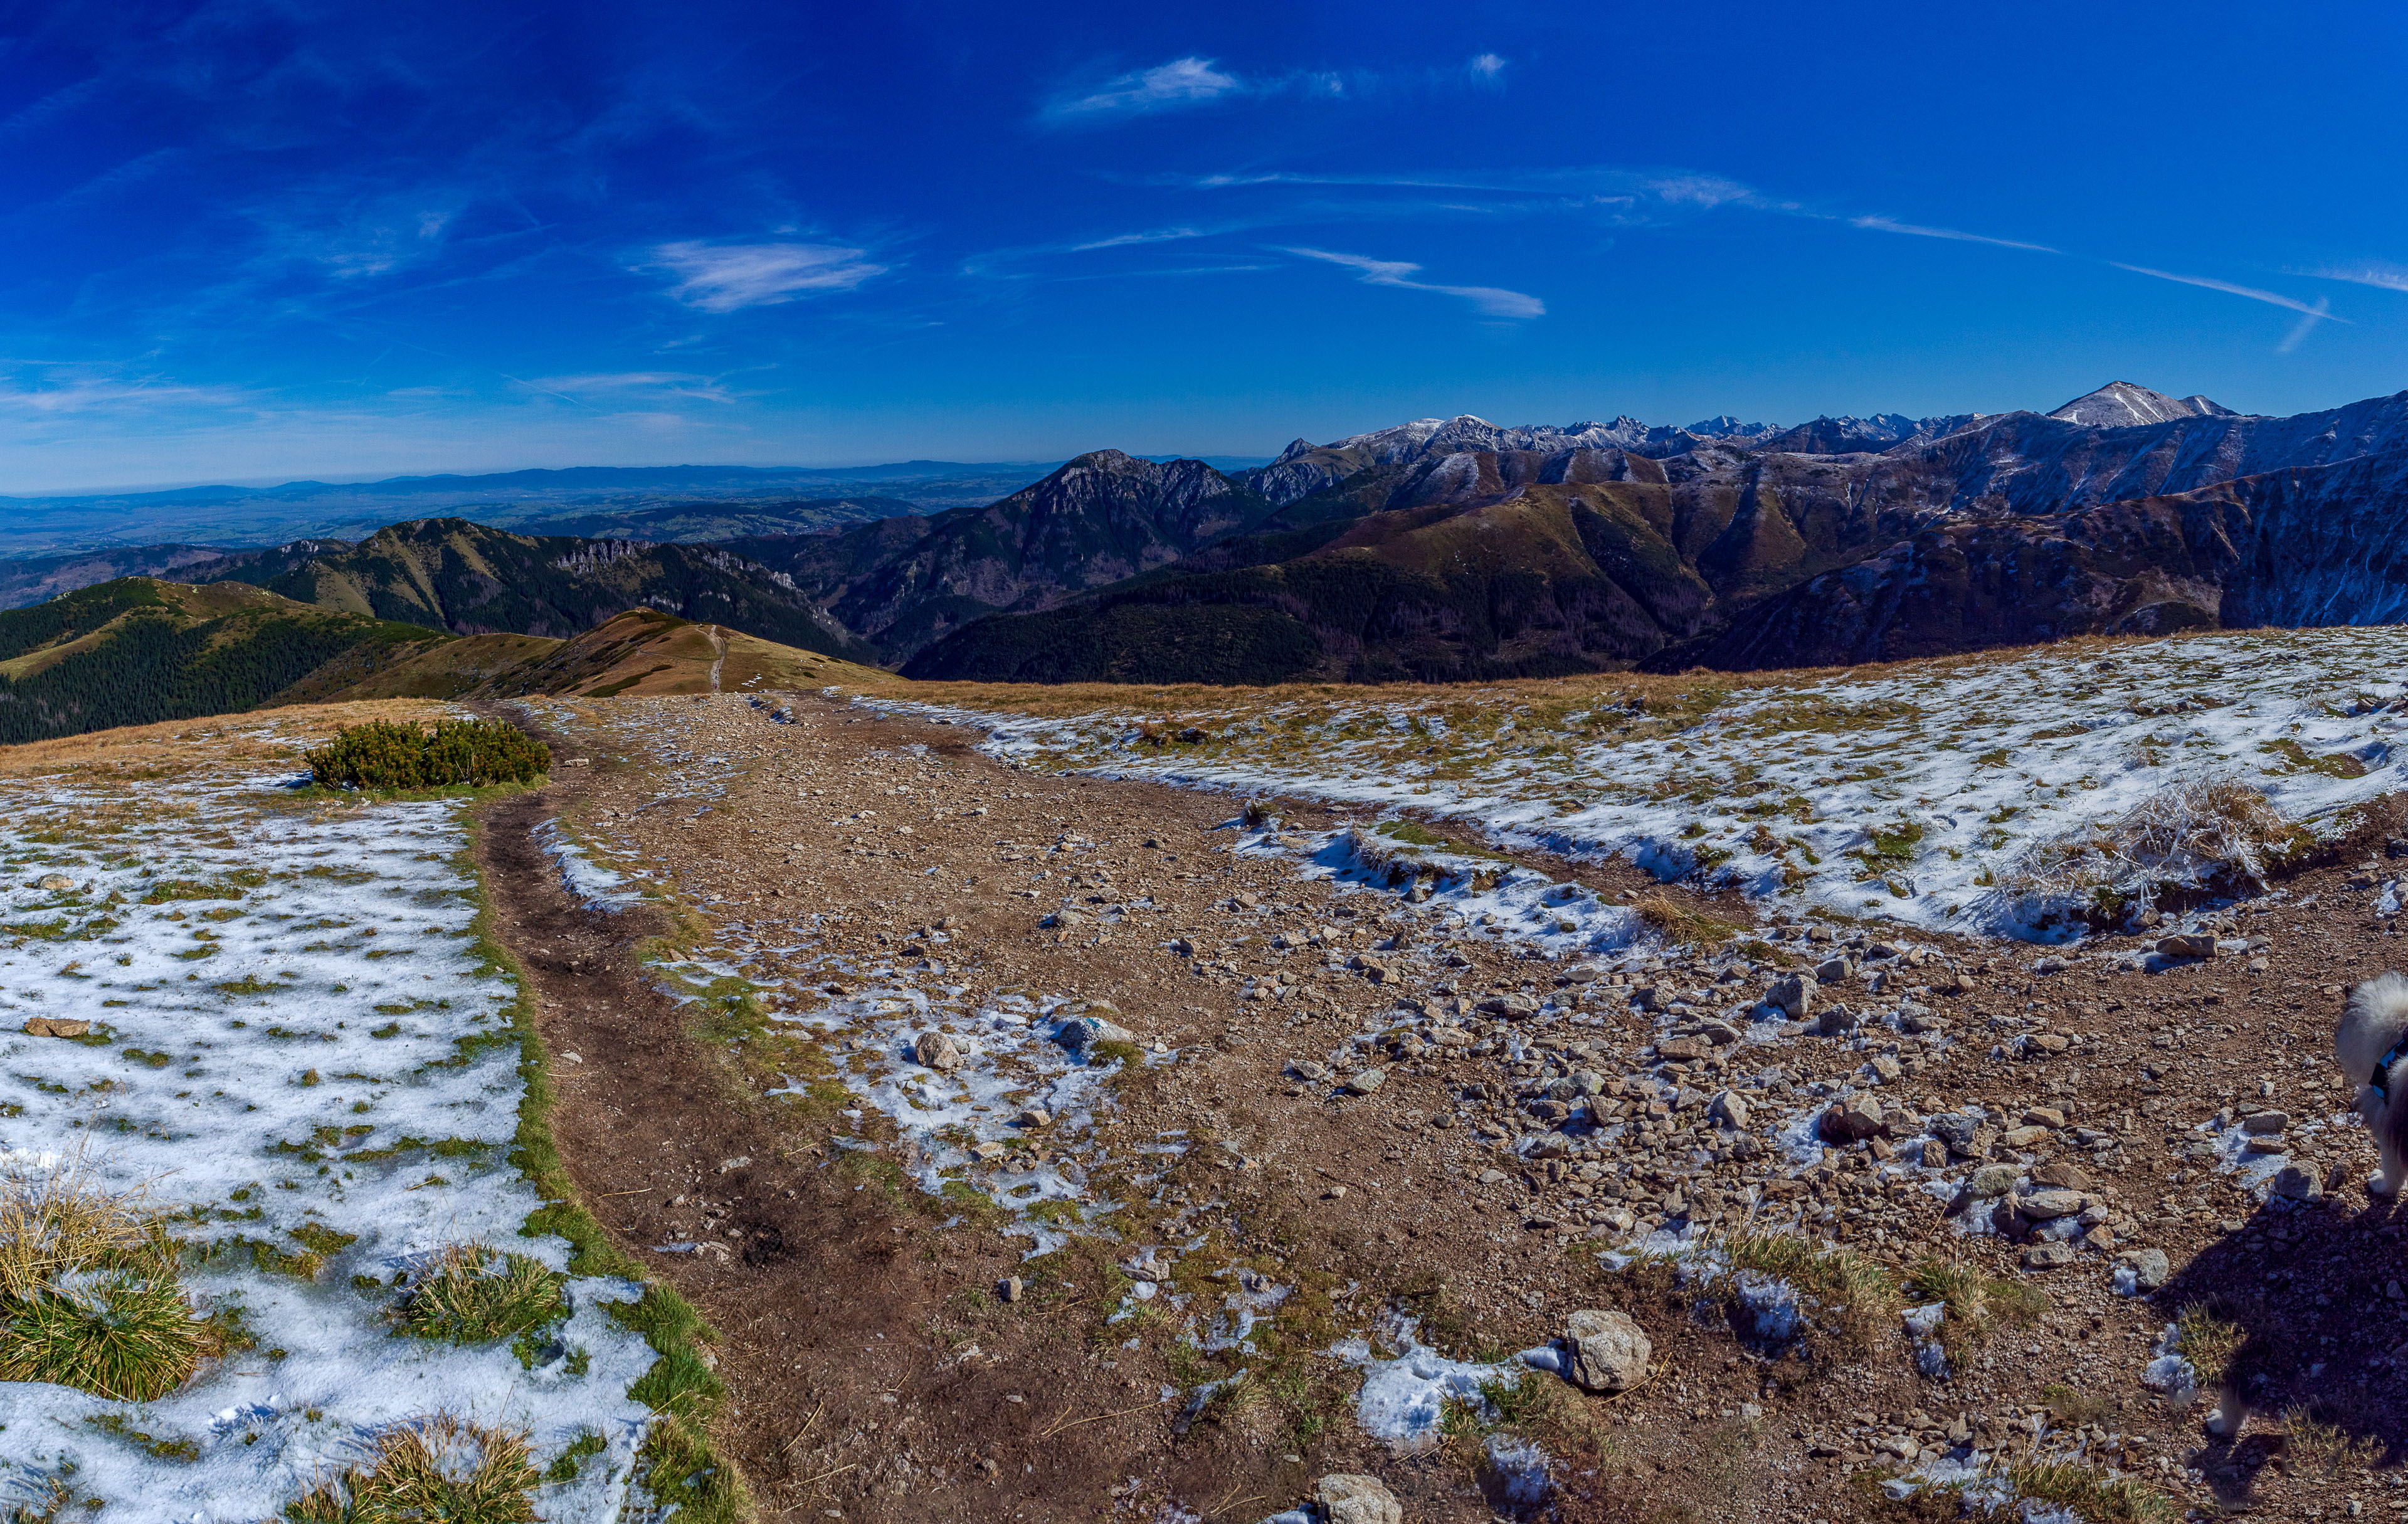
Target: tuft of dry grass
{"points": [[61, 1222], [1857, 1297], [438, 1467], [2193, 831], [2208, 1341], [1679, 924], [89, 1297], [2320, 1446], [1976, 1303]]}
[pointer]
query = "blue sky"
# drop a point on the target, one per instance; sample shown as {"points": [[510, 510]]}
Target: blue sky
{"points": [[242, 240]]}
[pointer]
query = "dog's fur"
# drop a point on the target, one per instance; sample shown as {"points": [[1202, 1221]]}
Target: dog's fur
{"points": [[2375, 1017]]}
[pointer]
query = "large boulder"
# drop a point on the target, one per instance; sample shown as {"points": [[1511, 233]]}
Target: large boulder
{"points": [[1080, 1033], [1608, 1351], [1345, 1498], [936, 1051]]}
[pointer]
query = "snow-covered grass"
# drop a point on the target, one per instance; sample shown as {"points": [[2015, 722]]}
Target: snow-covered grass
{"points": [[305, 1061], [1948, 793]]}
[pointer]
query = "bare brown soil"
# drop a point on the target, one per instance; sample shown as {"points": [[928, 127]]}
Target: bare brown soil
{"points": [[875, 1372]]}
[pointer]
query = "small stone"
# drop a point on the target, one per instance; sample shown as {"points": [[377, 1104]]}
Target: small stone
{"points": [[1610, 1352], [2025, 1137], [56, 1026], [57, 882], [1309, 1071], [1009, 1288], [2265, 1124], [936, 1051], [1851, 1121], [1509, 1006], [2048, 1256], [1033, 1116], [1079, 1033], [1792, 993], [2188, 944], [2058, 1173], [1992, 1180], [1344, 1497], [1729, 1109], [1335, 1193], [2047, 1205], [1363, 1082], [2149, 1267], [2043, 1117], [1934, 1154], [2298, 1185]]}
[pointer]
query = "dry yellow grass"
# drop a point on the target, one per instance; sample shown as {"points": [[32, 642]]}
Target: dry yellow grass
{"points": [[259, 737], [1172, 700]]}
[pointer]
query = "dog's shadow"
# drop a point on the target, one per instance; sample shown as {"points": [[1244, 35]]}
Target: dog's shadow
{"points": [[2298, 1307]]}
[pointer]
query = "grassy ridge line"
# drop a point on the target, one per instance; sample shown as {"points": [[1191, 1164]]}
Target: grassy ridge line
{"points": [[681, 1463]]}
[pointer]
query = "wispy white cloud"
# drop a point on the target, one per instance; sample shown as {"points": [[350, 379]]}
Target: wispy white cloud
{"points": [[729, 277], [1493, 301], [2315, 312], [1165, 87], [1128, 240], [1891, 224], [2386, 277], [1485, 69], [665, 383]]}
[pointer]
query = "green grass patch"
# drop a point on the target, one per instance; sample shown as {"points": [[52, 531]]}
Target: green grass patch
{"points": [[474, 1294]]}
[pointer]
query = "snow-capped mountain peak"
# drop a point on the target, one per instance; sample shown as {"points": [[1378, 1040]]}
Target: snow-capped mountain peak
{"points": [[2125, 405]]}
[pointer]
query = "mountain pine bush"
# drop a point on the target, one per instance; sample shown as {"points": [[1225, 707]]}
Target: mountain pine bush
{"points": [[383, 753]]}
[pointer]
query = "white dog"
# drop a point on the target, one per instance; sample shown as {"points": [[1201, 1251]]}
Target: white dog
{"points": [[2372, 1044]]}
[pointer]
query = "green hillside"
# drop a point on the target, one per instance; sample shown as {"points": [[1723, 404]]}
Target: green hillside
{"points": [[470, 579], [137, 651]]}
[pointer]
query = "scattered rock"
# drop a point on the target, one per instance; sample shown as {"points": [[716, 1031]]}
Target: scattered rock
{"points": [[936, 1051], [56, 1026], [729, 1166], [1792, 993], [2298, 1185], [2043, 1117], [1363, 1082], [2049, 1204], [2187, 944], [1347, 1498], [1992, 1180], [1511, 1006], [1608, 1351], [2024, 1137], [2048, 1256], [2265, 1124], [1080, 1032], [1010, 1290], [1033, 1116], [1852, 1121], [1730, 1108], [2058, 1173], [57, 882], [2149, 1267]]}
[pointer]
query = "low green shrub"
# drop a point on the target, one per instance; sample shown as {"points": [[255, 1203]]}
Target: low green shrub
{"points": [[383, 753]]}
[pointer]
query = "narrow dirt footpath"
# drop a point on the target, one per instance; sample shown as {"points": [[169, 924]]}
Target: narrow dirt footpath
{"points": [[1334, 1108]]}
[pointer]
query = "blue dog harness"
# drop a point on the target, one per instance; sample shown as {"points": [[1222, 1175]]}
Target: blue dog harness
{"points": [[2381, 1079]]}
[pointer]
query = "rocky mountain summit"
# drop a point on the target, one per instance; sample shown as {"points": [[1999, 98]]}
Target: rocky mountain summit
{"points": [[2123, 404]]}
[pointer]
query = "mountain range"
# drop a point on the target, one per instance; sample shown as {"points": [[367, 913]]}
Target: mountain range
{"points": [[1447, 549]]}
